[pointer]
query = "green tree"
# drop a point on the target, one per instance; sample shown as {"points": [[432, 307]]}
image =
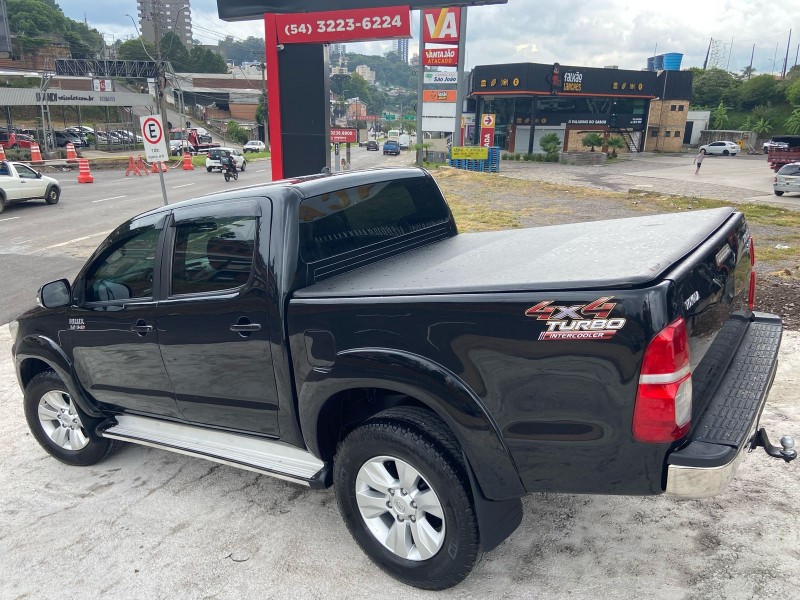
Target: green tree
{"points": [[239, 51], [762, 127], [792, 124], [793, 92], [615, 142], [262, 112], [550, 143], [205, 60], [133, 50], [592, 139], [719, 116], [762, 89], [712, 86], [174, 50]]}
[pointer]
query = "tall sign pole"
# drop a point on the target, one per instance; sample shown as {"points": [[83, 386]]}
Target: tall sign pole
{"points": [[461, 84], [420, 86]]}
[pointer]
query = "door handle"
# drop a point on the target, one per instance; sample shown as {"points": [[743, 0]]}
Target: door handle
{"points": [[244, 327], [141, 327]]}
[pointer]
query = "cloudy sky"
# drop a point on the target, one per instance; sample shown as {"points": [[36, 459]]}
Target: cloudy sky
{"points": [[577, 32]]}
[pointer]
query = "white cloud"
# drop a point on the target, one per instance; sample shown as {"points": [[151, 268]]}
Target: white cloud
{"points": [[572, 32]]}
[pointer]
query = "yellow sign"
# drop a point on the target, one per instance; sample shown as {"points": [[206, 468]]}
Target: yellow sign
{"points": [[469, 153]]}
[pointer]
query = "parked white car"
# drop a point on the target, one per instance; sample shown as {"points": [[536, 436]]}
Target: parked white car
{"points": [[723, 148], [787, 179], [254, 146], [212, 160]]}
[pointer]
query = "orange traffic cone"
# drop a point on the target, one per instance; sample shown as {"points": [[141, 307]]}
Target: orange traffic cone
{"points": [[36, 154], [142, 166], [156, 167], [84, 175], [2, 153], [132, 168], [187, 161], [72, 156]]}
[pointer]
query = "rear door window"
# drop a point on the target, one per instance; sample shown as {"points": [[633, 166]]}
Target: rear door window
{"points": [[215, 252]]}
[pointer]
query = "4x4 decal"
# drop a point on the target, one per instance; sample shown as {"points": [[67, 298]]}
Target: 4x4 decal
{"points": [[577, 322]]}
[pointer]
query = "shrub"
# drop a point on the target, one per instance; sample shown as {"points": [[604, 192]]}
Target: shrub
{"points": [[517, 156], [504, 156], [550, 143]]}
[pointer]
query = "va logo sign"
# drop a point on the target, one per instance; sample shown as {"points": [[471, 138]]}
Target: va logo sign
{"points": [[442, 25]]}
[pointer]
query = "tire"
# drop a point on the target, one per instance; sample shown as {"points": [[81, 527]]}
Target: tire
{"points": [[227, 176], [410, 449], [56, 425], [52, 195], [244, 164], [725, 153], [2, 203], [778, 193], [208, 169]]}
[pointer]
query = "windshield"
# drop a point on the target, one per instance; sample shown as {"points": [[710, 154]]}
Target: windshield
{"points": [[793, 169]]}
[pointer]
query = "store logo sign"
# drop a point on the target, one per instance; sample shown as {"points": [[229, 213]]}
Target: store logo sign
{"points": [[573, 81], [442, 25]]}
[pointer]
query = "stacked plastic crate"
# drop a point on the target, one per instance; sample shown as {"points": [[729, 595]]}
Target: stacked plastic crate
{"points": [[490, 165]]}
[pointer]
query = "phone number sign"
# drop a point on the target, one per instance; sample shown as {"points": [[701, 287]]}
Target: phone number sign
{"points": [[344, 25]]}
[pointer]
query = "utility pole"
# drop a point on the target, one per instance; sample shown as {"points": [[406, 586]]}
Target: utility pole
{"points": [[750, 70], [786, 60]]}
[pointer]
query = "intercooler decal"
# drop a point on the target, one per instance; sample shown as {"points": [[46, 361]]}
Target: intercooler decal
{"points": [[578, 322]]}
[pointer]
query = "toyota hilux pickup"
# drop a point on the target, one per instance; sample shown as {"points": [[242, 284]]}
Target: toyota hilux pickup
{"points": [[338, 330]]}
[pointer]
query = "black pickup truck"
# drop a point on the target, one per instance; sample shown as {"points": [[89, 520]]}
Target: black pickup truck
{"points": [[336, 329]]}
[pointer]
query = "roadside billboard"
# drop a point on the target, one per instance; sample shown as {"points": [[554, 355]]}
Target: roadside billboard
{"points": [[441, 25], [440, 57]]}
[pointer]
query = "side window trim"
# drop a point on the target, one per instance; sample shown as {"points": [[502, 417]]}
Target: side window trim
{"points": [[157, 264], [245, 207]]}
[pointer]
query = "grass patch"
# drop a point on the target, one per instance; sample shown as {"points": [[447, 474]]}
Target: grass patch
{"points": [[252, 155]]}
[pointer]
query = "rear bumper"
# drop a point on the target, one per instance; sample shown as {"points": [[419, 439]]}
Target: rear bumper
{"points": [[706, 465]]}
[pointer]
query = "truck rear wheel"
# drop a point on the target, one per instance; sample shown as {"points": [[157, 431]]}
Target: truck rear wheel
{"points": [[57, 426], [778, 193], [404, 494]]}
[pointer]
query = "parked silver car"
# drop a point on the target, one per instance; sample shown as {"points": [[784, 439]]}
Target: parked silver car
{"points": [[787, 179]]}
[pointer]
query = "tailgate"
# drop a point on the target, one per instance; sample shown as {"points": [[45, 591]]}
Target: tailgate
{"points": [[734, 354]]}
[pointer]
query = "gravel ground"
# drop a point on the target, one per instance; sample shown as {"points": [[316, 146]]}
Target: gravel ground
{"points": [[156, 525]]}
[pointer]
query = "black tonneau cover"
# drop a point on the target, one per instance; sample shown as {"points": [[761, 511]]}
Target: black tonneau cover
{"points": [[618, 253]]}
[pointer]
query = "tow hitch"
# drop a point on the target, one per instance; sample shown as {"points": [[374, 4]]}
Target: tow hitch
{"points": [[787, 452]]}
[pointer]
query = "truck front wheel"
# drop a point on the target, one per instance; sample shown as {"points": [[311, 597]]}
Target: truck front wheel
{"points": [[404, 494], [57, 426]]}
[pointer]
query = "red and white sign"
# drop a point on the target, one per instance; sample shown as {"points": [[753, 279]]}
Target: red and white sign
{"points": [[155, 146], [103, 85], [441, 25], [487, 130], [345, 136], [440, 57], [344, 25]]}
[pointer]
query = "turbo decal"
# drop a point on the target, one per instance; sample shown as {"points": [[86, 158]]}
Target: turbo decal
{"points": [[577, 322]]}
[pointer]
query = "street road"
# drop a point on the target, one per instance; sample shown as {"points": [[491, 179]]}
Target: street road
{"points": [[40, 243]]}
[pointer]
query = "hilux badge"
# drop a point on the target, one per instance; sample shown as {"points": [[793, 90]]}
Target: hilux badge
{"points": [[691, 300]]}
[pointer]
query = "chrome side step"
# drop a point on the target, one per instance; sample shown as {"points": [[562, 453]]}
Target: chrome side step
{"points": [[269, 457]]}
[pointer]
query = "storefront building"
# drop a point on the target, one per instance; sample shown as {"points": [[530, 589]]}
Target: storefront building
{"points": [[530, 100]]}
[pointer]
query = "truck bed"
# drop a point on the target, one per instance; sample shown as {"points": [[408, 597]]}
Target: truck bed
{"points": [[619, 253]]}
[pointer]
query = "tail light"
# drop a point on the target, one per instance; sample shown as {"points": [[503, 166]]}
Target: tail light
{"points": [[663, 409], [751, 297]]}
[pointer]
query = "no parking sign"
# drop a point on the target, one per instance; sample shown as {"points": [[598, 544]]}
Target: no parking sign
{"points": [[155, 145]]}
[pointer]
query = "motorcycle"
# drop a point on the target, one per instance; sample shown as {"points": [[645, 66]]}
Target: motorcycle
{"points": [[229, 173]]}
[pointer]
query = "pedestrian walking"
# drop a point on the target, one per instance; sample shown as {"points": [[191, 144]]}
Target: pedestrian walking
{"points": [[698, 160]]}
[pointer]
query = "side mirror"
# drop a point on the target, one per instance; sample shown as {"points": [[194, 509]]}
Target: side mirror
{"points": [[38, 175], [55, 294]]}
